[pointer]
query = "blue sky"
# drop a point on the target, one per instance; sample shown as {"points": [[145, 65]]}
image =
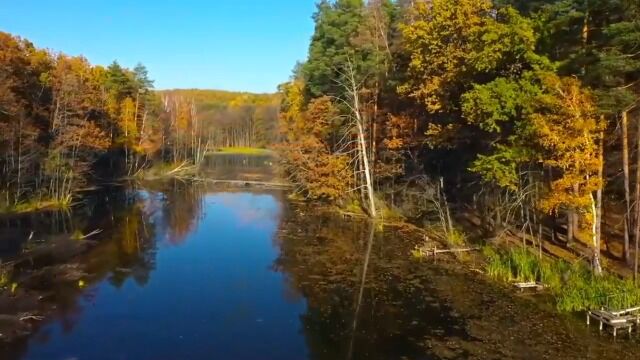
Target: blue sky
{"points": [[247, 45]]}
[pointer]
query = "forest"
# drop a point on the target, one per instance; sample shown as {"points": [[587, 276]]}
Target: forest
{"points": [[519, 118], [67, 125], [234, 119]]}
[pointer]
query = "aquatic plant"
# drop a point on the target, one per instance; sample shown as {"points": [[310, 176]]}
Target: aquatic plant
{"points": [[5, 276], [418, 253], [37, 204], [498, 267], [574, 286], [77, 235], [456, 237]]}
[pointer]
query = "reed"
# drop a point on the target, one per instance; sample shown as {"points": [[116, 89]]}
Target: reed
{"points": [[574, 286]]}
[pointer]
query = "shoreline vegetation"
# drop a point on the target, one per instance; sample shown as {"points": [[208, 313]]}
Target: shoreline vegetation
{"points": [[153, 171], [67, 124]]}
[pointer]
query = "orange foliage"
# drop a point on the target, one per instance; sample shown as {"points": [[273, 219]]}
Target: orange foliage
{"points": [[306, 151]]}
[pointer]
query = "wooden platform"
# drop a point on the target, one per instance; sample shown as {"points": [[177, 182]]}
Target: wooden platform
{"points": [[624, 319], [529, 285]]}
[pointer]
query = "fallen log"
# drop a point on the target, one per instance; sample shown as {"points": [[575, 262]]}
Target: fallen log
{"points": [[249, 183], [435, 251]]}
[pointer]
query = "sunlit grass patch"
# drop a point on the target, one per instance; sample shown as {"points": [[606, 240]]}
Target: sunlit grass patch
{"points": [[243, 151], [26, 206], [5, 276], [574, 286]]}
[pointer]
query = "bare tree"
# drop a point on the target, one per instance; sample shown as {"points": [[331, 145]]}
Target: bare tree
{"points": [[356, 122]]}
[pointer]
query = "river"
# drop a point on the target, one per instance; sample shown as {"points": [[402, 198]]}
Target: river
{"points": [[184, 270]]}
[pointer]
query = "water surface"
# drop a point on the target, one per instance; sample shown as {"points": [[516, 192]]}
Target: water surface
{"points": [[186, 271]]}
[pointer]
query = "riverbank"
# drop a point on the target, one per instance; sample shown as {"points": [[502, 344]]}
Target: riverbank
{"points": [[463, 312], [510, 259]]}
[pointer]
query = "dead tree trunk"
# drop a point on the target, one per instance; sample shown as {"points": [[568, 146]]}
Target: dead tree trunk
{"points": [[354, 105]]}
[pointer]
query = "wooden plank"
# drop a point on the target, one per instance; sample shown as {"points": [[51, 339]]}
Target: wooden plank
{"points": [[612, 320], [626, 311]]}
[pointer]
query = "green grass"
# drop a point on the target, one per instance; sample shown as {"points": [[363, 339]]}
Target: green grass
{"points": [[243, 151], [37, 205], [574, 286], [456, 237]]}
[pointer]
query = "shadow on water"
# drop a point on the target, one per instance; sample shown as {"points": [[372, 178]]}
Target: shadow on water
{"points": [[184, 270]]}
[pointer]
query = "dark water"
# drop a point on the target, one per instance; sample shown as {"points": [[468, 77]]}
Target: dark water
{"points": [[182, 271]]}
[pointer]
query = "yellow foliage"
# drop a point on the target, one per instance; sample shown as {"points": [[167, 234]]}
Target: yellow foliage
{"points": [[440, 41], [569, 131]]}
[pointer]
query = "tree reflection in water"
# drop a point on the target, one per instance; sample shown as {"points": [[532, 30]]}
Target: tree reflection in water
{"points": [[130, 221], [181, 210], [136, 221], [365, 300], [239, 167]]}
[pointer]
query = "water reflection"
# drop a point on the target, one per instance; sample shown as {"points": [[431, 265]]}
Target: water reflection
{"points": [[240, 167], [365, 299], [175, 263]]}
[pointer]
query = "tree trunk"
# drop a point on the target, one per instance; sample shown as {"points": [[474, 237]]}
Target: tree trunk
{"points": [[597, 210], [627, 192], [367, 169], [570, 219], [637, 202], [352, 88]]}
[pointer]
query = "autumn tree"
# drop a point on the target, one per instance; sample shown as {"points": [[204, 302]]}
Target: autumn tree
{"points": [[60, 116], [307, 153], [571, 136]]}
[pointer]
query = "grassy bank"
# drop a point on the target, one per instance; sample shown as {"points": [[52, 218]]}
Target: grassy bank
{"points": [[574, 286]]}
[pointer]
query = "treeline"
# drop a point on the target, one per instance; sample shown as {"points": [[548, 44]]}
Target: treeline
{"points": [[65, 123], [233, 119], [522, 112]]}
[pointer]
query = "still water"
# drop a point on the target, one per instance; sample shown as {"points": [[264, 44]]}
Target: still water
{"points": [[185, 271]]}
